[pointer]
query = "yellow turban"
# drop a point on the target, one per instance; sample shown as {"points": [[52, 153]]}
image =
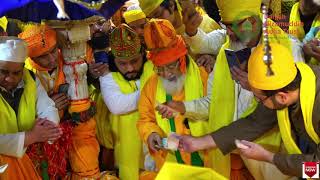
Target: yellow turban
{"points": [[148, 6], [3, 23], [40, 39], [231, 10], [133, 15], [282, 65]]}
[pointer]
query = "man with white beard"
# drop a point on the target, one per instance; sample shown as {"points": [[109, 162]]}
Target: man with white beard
{"points": [[177, 77]]}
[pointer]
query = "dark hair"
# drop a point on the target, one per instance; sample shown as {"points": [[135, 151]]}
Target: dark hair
{"points": [[112, 64], [166, 4], [295, 84]]}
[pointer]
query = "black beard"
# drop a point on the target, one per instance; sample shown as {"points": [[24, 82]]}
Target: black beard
{"points": [[134, 78]]}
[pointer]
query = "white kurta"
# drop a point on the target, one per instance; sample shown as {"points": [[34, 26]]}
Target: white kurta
{"points": [[117, 102]]}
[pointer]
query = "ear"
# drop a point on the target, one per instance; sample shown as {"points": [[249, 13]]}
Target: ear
{"points": [[282, 97]]}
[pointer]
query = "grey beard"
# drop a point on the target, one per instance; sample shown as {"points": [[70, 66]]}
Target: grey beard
{"points": [[173, 87]]}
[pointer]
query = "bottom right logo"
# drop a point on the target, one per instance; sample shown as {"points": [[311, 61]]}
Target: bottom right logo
{"points": [[310, 170]]}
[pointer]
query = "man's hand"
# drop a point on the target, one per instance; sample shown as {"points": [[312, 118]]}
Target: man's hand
{"points": [[154, 142], [171, 108], [312, 49], [43, 131], [192, 20], [98, 69], [207, 61], [191, 144], [257, 152], [241, 77], [61, 101]]}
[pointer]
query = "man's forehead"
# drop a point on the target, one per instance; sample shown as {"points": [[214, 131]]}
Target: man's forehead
{"points": [[129, 59]]}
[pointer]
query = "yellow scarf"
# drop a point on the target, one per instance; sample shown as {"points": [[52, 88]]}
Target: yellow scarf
{"points": [[307, 96], [193, 90], [24, 121], [178, 172], [103, 127], [126, 137], [298, 31], [223, 102]]}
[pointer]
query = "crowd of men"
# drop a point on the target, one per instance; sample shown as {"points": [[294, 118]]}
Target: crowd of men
{"points": [[162, 90]]}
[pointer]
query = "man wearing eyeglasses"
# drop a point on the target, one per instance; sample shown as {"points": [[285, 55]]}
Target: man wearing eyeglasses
{"points": [[177, 78], [230, 98]]}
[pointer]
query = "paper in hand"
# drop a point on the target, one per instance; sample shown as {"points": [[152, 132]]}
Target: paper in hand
{"points": [[172, 142], [240, 145]]}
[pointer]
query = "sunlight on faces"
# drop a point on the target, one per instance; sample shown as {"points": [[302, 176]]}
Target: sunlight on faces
{"points": [[10, 74], [49, 59], [171, 77], [130, 68]]}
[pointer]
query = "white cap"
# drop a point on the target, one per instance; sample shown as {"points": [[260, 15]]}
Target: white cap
{"points": [[12, 49]]}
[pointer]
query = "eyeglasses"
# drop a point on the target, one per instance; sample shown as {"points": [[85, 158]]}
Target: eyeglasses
{"points": [[262, 100], [170, 67]]}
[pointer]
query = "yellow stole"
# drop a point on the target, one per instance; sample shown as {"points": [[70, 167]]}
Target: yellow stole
{"points": [[223, 102], [25, 119], [298, 31], [193, 90], [126, 137], [307, 96]]}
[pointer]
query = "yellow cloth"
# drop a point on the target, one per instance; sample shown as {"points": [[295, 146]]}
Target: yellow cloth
{"points": [[102, 118], [128, 146], [147, 73], [18, 168], [231, 10], [223, 102], [307, 96], [298, 31], [3, 23], [175, 171], [84, 152], [148, 121], [148, 6], [24, 121], [133, 15]]}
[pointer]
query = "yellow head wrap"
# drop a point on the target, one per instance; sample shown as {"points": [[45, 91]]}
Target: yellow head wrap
{"points": [[133, 15], [40, 39], [231, 10], [3, 23], [282, 65], [148, 6]]}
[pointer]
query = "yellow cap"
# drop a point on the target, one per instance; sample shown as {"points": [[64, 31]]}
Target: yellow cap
{"points": [[148, 6], [231, 10], [3, 23], [133, 15], [282, 65]]}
